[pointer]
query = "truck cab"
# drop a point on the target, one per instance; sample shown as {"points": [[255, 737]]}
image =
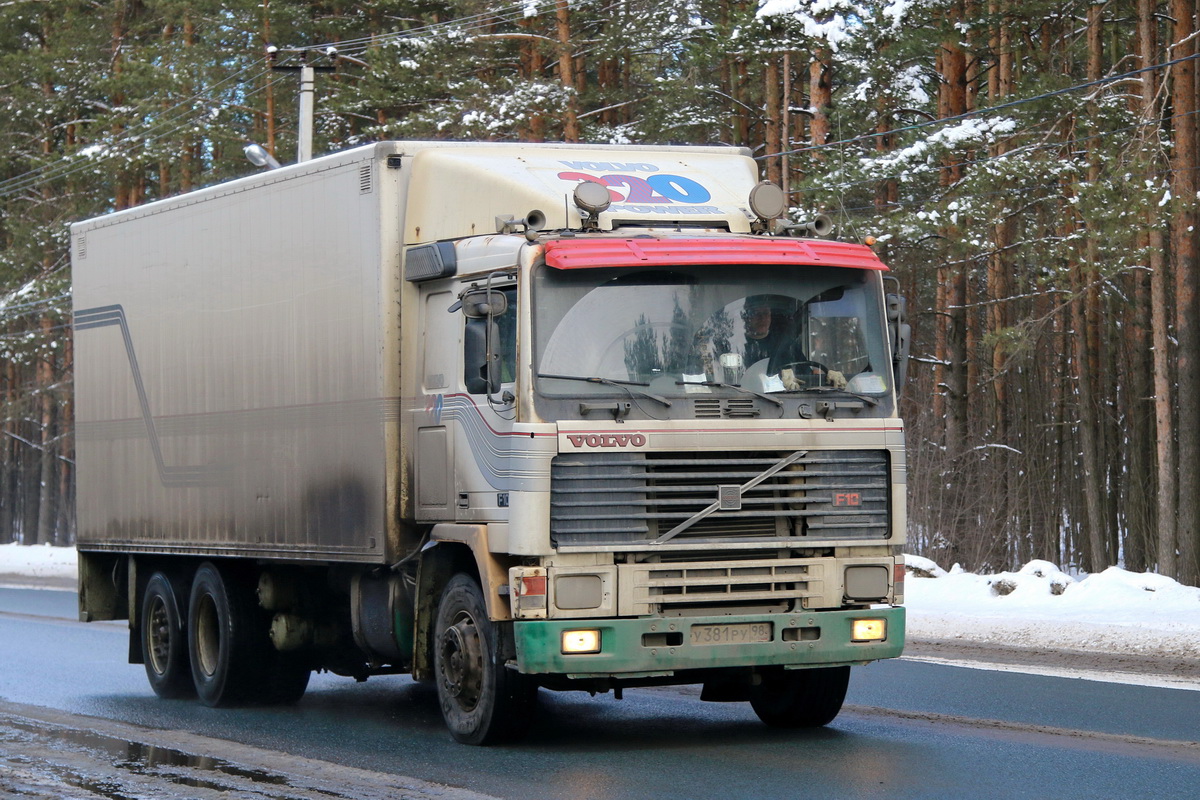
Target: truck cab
{"points": [[686, 444]]}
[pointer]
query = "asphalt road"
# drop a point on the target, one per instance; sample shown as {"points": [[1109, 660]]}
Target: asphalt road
{"points": [[910, 729]]}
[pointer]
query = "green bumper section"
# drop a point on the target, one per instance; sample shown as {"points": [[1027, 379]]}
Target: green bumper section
{"points": [[648, 646]]}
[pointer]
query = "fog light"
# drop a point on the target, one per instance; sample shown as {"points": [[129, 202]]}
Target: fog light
{"points": [[868, 630], [576, 642]]}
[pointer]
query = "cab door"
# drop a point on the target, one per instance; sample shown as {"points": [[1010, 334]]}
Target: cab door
{"points": [[485, 411], [441, 362]]}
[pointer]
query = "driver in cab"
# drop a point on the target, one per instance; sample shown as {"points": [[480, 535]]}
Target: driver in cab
{"points": [[771, 333]]}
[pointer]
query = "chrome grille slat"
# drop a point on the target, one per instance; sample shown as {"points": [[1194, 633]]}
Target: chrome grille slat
{"points": [[704, 475], [633, 497], [693, 584]]}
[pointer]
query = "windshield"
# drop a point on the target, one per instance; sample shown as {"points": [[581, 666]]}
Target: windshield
{"points": [[704, 329]]}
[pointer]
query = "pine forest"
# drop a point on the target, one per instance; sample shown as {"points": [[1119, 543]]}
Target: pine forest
{"points": [[1028, 171]]}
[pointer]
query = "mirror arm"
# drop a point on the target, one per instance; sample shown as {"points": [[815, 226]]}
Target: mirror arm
{"points": [[490, 356], [487, 340]]}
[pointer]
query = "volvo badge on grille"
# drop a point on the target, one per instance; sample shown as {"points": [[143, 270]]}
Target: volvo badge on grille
{"points": [[730, 497]]}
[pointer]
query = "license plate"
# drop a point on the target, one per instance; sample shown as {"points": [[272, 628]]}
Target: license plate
{"points": [[739, 633]]}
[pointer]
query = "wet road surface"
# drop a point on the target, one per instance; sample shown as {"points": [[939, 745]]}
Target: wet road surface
{"points": [[910, 729]]}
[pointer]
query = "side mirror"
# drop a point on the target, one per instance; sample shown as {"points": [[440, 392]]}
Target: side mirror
{"points": [[482, 347], [476, 357], [483, 303], [900, 334], [900, 353]]}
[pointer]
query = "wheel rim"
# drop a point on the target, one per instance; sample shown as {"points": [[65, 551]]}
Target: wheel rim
{"points": [[462, 662], [158, 635], [208, 635]]}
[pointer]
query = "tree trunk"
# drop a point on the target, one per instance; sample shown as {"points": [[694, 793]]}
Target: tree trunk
{"points": [[1184, 247], [785, 129], [952, 103], [566, 71], [820, 95], [47, 485], [1084, 316], [771, 94], [8, 458], [999, 271]]}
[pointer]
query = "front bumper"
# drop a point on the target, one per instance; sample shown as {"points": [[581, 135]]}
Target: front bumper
{"points": [[648, 646]]}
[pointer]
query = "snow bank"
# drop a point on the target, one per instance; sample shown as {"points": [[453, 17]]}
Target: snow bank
{"points": [[1040, 606], [37, 561]]}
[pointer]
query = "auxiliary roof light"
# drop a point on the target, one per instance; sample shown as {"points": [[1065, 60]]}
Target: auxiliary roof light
{"points": [[767, 201], [592, 197]]}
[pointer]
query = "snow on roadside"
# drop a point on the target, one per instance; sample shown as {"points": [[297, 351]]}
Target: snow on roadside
{"points": [[1038, 606], [1114, 611], [35, 561]]}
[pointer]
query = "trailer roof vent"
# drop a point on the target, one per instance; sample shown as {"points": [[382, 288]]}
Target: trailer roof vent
{"points": [[428, 261], [365, 173]]}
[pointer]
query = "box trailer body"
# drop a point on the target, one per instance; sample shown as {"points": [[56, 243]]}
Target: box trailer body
{"points": [[416, 407]]}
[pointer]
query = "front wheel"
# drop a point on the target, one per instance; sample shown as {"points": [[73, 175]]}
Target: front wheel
{"points": [[482, 700], [802, 698]]}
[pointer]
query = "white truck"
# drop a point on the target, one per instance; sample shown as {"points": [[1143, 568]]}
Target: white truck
{"points": [[499, 416]]}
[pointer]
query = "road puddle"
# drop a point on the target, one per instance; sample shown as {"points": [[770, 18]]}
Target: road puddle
{"points": [[39, 756], [50, 755]]}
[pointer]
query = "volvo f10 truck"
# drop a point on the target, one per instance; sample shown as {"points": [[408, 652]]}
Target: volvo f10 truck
{"points": [[503, 417]]}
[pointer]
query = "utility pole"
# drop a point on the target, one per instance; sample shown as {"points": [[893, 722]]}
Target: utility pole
{"points": [[304, 138], [306, 107]]}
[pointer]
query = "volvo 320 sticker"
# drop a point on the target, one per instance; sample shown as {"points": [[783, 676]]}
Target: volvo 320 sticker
{"points": [[655, 193]]}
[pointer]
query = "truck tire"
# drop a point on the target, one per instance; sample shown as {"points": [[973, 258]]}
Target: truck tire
{"points": [[482, 701], [226, 641], [164, 640], [285, 682], [802, 698]]}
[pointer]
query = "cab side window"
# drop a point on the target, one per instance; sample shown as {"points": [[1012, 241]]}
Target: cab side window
{"points": [[504, 347]]}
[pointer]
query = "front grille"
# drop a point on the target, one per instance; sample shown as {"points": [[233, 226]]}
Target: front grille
{"points": [[632, 497], [703, 585]]}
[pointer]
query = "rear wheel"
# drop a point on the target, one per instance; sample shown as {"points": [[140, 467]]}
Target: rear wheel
{"points": [[286, 681], [226, 640], [164, 640], [802, 698], [482, 701]]}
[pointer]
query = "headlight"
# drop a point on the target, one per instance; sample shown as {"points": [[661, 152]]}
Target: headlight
{"points": [[578, 642], [868, 630]]}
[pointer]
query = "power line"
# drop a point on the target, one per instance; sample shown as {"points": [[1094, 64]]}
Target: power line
{"points": [[866, 137], [1017, 151], [469, 23], [184, 113], [81, 161], [33, 332], [30, 307], [180, 116]]}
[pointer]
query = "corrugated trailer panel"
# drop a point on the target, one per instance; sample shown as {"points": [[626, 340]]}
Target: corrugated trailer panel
{"points": [[229, 391]]}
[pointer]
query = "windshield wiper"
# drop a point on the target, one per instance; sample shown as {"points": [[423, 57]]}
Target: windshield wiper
{"points": [[866, 398], [626, 385], [774, 400]]}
